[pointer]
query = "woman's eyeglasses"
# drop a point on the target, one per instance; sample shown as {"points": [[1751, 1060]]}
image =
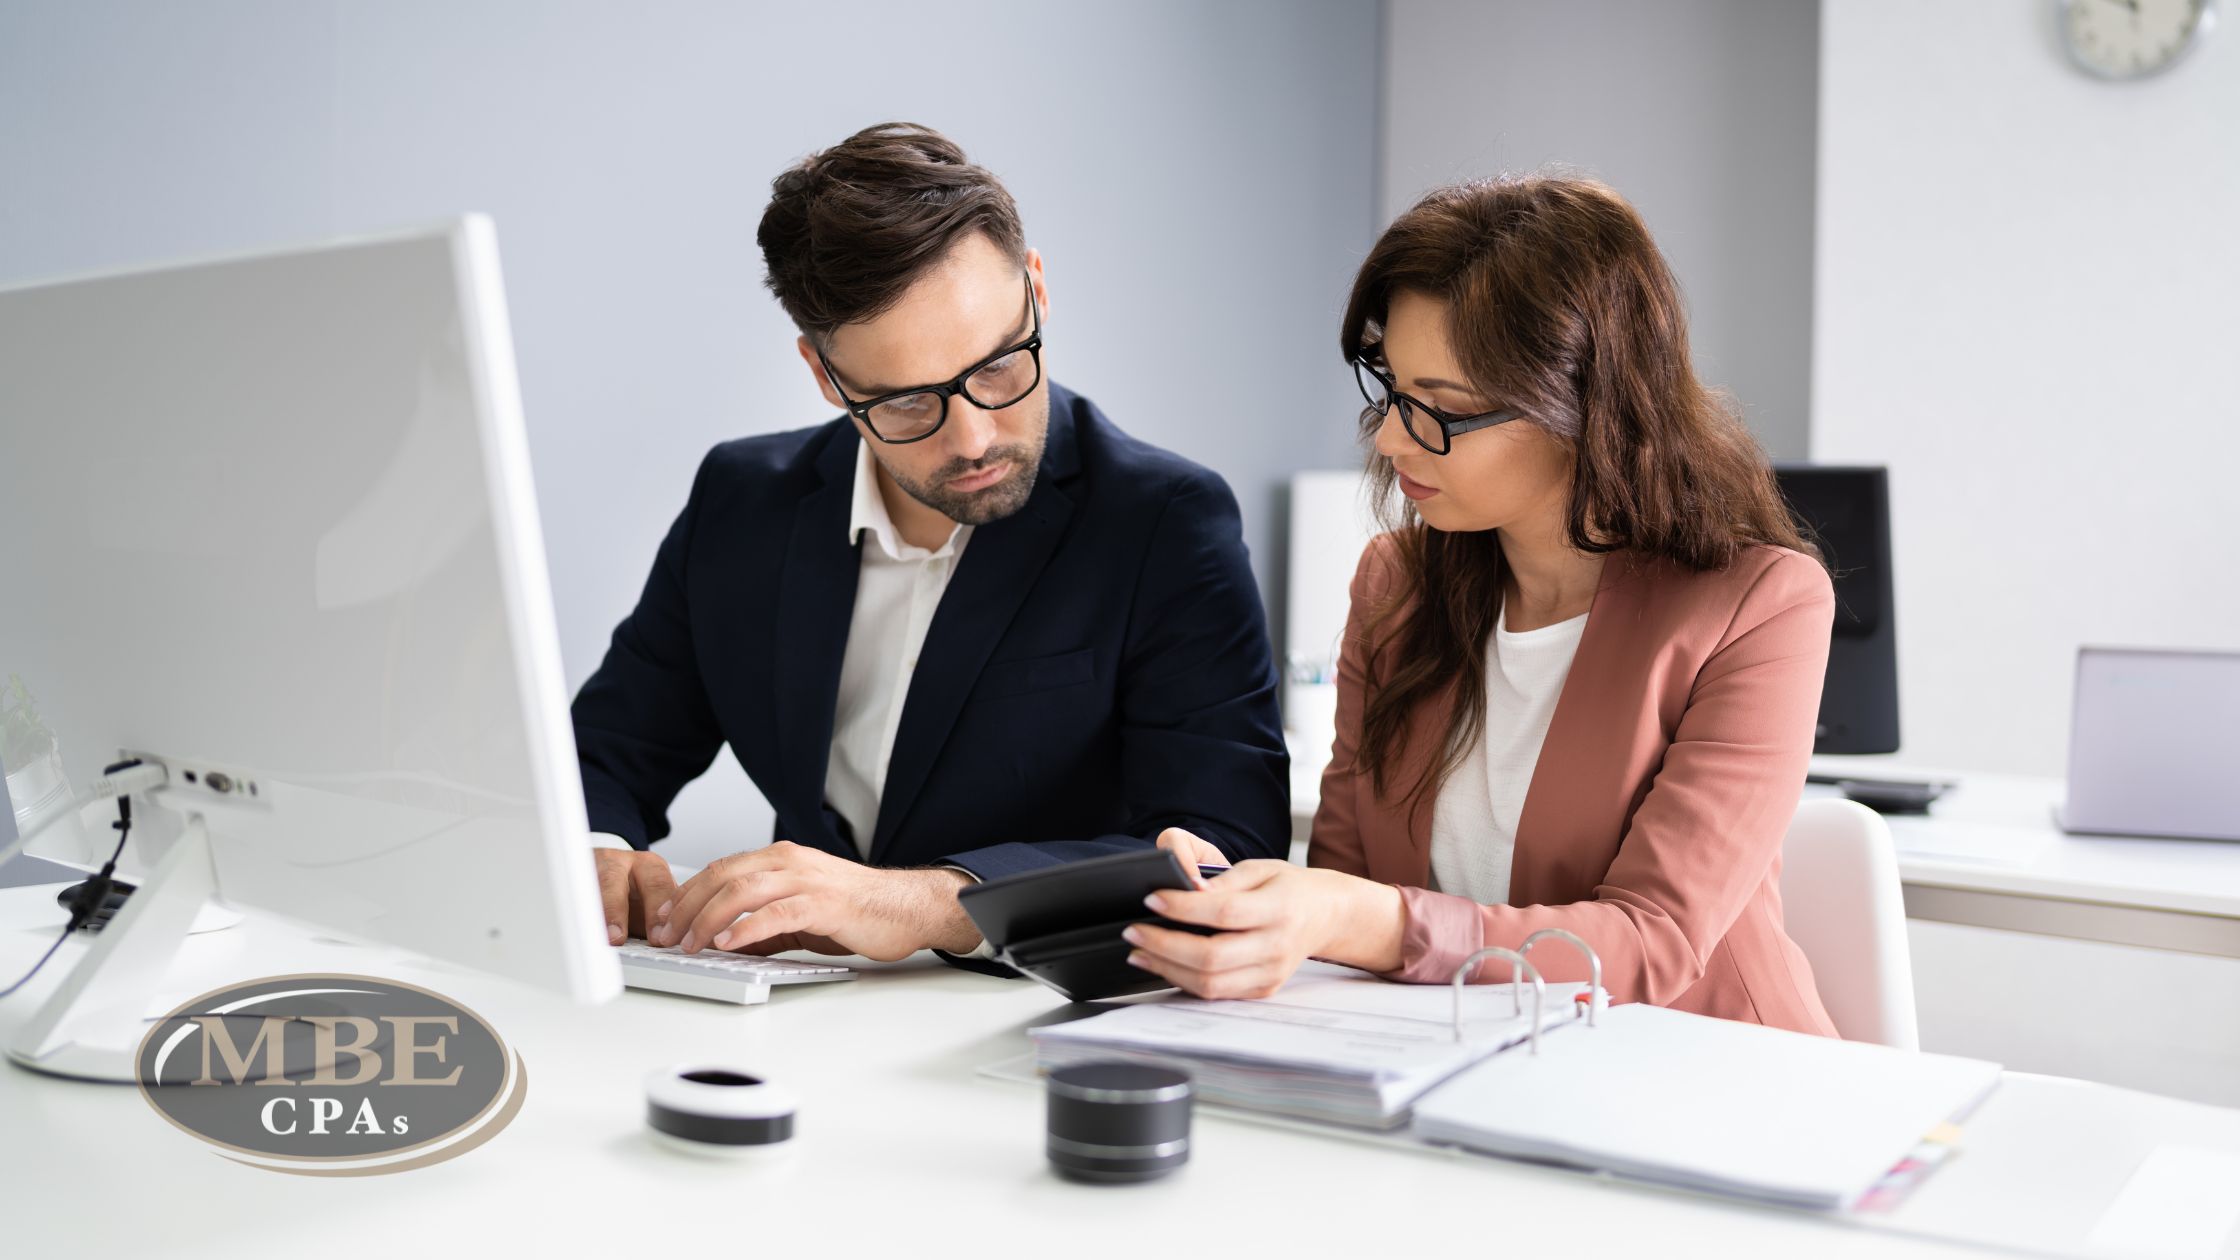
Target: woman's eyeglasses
{"points": [[1434, 430]]}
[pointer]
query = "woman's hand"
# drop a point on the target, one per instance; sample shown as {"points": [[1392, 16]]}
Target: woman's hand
{"points": [[1193, 852], [1271, 916]]}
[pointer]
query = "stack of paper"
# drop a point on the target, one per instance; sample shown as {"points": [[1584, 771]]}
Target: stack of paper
{"points": [[1333, 1045]]}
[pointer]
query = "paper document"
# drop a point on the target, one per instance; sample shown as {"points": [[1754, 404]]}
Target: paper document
{"points": [[1333, 1044]]}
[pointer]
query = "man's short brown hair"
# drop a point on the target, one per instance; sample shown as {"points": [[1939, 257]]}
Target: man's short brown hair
{"points": [[849, 229]]}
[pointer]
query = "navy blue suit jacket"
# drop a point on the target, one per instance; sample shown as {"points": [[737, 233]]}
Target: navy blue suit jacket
{"points": [[1098, 668]]}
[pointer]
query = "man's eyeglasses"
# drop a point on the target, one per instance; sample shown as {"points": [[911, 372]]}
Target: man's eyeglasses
{"points": [[1434, 430], [915, 414]]}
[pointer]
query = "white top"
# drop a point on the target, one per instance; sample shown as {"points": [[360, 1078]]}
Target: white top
{"points": [[897, 588], [1474, 821]]}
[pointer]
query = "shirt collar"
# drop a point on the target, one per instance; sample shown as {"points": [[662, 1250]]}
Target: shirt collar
{"points": [[869, 512]]}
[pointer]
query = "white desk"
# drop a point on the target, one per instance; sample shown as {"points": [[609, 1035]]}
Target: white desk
{"points": [[1990, 854], [906, 1151]]}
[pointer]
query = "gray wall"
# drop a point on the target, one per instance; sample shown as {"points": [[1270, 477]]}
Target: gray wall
{"points": [[1701, 112], [1200, 178]]}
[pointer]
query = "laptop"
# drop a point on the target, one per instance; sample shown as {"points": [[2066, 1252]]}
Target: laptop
{"points": [[2154, 744]]}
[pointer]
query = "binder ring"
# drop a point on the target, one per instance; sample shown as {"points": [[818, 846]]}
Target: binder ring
{"points": [[1594, 963], [1516, 980]]}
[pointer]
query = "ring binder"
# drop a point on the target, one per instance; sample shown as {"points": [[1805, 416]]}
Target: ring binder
{"points": [[1523, 968], [1594, 963], [1657, 1095], [1516, 979]]}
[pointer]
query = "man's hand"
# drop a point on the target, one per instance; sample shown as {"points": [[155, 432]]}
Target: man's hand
{"points": [[787, 896], [631, 885]]}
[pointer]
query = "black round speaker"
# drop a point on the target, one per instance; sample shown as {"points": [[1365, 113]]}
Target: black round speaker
{"points": [[1118, 1121]]}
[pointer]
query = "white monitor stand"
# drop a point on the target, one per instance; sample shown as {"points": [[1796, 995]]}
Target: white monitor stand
{"points": [[90, 1027]]}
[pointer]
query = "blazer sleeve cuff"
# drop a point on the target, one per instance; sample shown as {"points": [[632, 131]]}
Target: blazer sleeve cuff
{"points": [[1441, 931], [984, 952]]}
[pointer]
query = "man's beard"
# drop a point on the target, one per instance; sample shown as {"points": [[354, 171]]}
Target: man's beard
{"points": [[982, 507]]}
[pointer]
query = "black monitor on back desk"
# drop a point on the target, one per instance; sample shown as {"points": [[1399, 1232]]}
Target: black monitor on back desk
{"points": [[1846, 510]]}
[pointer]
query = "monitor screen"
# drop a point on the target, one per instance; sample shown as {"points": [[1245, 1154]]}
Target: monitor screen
{"points": [[1845, 511], [1841, 510]]}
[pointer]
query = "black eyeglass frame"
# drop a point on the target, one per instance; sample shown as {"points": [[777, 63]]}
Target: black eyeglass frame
{"points": [[1450, 424], [955, 386]]}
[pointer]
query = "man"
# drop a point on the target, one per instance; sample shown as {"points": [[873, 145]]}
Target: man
{"points": [[965, 630]]}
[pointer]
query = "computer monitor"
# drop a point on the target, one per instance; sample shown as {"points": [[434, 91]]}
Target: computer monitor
{"points": [[267, 522], [1846, 510]]}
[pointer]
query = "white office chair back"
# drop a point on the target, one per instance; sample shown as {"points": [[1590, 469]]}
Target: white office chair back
{"points": [[1843, 906]]}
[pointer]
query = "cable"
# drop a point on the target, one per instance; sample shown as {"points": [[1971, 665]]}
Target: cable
{"points": [[35, 966], [95, 889], [121, 779]]}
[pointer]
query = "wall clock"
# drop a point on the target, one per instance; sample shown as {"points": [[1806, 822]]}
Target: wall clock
{"points": [[2132, 39]]}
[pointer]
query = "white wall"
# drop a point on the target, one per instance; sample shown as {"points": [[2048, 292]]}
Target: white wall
{"points": [[1699, 111], [2028, 305], [1200, 178]]}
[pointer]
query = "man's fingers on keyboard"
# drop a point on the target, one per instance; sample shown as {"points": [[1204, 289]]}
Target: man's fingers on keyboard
{"points": [[778, 944], [740, 895], [656, 888], [686, 905], [775, 919], [614, 894], [788, 942]]}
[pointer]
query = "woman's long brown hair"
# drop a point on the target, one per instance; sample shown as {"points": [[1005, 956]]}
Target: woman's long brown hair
{"points": [[1561, 306]]}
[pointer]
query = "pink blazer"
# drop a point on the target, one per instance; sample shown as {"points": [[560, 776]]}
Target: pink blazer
{"points": [[1654, 821]]}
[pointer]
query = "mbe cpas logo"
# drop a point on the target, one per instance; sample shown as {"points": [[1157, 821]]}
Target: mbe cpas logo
{"points": [[331, 1075]]}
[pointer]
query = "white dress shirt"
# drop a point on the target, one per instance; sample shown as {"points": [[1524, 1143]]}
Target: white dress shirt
{"points": [[1474, 821], [897, 589]]}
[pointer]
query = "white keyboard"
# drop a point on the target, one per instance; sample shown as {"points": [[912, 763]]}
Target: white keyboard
{"points": [[713, 974]]}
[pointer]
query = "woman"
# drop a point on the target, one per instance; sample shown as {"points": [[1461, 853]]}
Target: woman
{"points": [[1578, 683]]}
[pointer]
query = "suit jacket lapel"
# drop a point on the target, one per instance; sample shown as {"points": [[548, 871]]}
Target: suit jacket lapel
{"points": [[999, 568], [1568, 780], [816, 597], [1577, 788]]}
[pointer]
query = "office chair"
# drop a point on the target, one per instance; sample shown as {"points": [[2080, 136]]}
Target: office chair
{"points": [[1843, 906]]}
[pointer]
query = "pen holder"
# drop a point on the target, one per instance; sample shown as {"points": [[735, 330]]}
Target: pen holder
{"points": [[1118, 1122], [718, 1112]]}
